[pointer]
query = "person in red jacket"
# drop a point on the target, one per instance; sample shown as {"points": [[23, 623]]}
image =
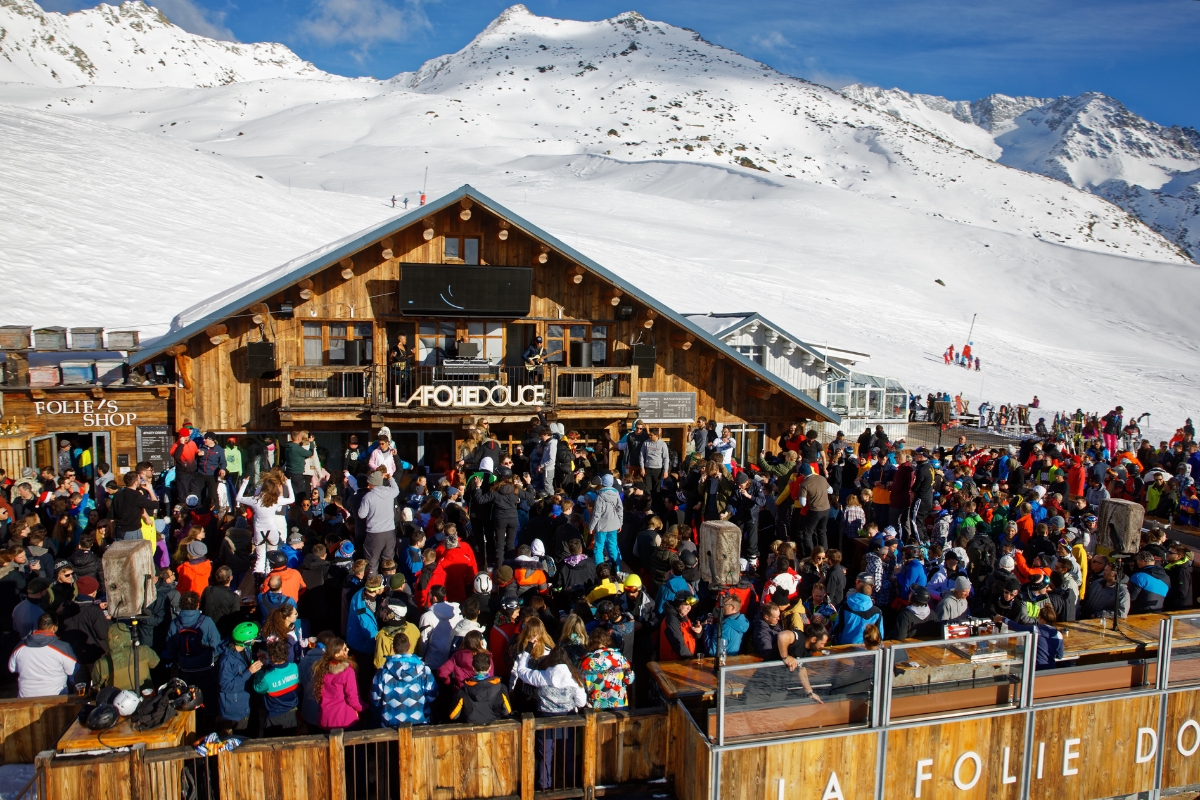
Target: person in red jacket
{"points": [[503, 634], [194, 574], [1077, 478], [457, 568], [677, 633], [185, 452]]}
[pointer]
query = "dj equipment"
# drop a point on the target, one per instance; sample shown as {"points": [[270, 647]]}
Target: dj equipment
{"points": [[466, 368], [129, 577]]}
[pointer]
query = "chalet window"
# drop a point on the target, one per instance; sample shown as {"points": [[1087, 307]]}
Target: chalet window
{"points": [[325, 343], [433, 338], [490, 338], [751, 351], [554, 344], [577, 345], [462, 249]]}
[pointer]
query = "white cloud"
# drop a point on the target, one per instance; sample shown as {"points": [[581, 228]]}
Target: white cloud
{"points": [[774, 41], [194, 19], [361, 23]]}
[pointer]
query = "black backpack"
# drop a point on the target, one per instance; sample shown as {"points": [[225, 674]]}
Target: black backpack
{"points": [[193, 653], [152, 712]]}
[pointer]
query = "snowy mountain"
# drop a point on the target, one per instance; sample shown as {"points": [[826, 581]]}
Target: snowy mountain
{"points": [[128, 45], [709, 179], [1091, 142]]}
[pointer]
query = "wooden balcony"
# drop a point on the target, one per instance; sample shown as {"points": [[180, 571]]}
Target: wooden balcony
{"points": [[419, 391]]}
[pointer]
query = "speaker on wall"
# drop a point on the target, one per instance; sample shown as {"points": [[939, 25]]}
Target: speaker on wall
{"points": [[260, 359], [941, 412], [356, 352], [643, 357]]}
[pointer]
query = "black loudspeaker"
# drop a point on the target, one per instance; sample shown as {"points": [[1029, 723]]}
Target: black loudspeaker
{"points": [[941, 412], [643, 358], [260, 359], [356, 352]]}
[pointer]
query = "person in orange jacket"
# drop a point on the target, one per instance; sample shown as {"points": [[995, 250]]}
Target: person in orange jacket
{"points": [[293, 582], [1025, 524], [1077, 478], [456, 569], [194, 574]]}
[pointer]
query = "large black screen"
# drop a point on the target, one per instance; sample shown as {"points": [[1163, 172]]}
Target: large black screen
{"points": [[455, 290]]}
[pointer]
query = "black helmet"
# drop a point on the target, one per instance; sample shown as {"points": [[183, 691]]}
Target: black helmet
{"points": [[276, 558], [918, 596], [102, 717]]}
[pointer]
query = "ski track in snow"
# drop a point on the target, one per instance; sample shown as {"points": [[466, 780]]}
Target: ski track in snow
{"points": [[124, 206]]}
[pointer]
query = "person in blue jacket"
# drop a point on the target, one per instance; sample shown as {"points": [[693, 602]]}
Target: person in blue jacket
{"points": [[362, 626], [1050, 642], [858, 611], [733, 628], [673, 585], [912, 573], [235, 669], [1148, 586]]}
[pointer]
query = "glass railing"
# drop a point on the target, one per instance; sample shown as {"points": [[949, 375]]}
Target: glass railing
{"points": [[957, 676], [803, 695]]}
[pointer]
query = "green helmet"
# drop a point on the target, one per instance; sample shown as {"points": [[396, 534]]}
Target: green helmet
{"points": [[245, 633]]}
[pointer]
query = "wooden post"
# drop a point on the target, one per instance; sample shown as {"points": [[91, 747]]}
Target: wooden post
{"points": [[41, 765], [589, 754], [528, 761], [137, 773], [405, 755], [337, 765]]}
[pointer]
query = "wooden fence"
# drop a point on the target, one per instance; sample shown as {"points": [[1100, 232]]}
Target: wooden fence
{"points": [[593, 754], [30, 725]]}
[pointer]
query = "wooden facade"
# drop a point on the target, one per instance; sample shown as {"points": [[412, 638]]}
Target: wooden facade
{"points": [[104, 420], [355, 295]]}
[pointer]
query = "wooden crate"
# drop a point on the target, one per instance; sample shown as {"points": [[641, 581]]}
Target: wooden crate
{"points": [[78, 373], [50, 338], [123, 340], [45, 376], [87, 338], [15, 337]]}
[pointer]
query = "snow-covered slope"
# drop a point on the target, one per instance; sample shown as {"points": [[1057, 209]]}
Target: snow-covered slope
{"points": [[701, 175], [102, 225], [128, 45], [1092, 142]]}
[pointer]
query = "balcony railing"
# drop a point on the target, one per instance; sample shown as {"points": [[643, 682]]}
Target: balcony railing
{"points": [[462, 386]]}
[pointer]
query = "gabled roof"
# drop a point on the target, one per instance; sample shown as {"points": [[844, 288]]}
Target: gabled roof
{"points": [[229, 302], [721, 325]]}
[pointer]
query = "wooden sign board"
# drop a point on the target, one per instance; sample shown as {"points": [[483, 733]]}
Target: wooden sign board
{"points": [[666, 407]]}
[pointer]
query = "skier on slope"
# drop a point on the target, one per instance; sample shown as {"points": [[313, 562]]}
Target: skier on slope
{"points": [[393, 201]]}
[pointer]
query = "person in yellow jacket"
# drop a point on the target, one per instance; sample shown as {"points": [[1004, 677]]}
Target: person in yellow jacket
{"points": [[394, 624]]}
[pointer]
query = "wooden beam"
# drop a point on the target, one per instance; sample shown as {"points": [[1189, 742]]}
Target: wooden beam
{"points": [[528, 767], [682, 340]]}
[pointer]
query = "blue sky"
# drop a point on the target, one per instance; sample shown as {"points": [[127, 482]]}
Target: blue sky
{"points": [[1146, 53]]}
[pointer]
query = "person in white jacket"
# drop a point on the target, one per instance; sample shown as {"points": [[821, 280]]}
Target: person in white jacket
{"points": [[437, 628], [42, 662], [560, 689], [270, 528]]}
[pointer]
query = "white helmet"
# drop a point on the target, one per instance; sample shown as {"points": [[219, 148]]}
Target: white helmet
{"points": [[483, 583], [126, 702]]}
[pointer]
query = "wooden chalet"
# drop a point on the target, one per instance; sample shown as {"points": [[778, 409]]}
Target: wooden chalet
{"points": [[470, 284]]}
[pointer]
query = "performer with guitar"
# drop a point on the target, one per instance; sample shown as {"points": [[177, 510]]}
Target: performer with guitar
{"points": [[534, 356], [400, 359]]}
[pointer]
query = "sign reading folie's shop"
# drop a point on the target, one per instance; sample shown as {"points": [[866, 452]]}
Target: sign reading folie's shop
{"points": [[475, 396], [92, 413]]}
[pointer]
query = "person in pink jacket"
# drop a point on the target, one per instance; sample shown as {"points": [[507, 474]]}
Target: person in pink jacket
{"points": [[336, 687]]}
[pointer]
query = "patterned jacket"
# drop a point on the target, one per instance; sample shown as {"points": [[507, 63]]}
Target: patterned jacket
{"points": [[403, 690], [606, 675]]}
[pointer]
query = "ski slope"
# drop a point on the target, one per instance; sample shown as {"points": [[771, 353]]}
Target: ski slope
{"points": [[836, 230]]}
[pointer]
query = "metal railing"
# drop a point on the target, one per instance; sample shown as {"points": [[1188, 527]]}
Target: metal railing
{"points": [[594, 386], [372, 760], [181, 772], [329, 386], [559, 756]]}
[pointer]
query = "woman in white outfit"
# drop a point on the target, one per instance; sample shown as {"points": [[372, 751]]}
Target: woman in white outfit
{"points": [[270, 527]]}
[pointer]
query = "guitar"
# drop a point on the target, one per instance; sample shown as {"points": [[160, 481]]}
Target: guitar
{"points": [[534, 362]]}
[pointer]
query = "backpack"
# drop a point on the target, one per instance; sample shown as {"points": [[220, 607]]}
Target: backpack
{"points": [[193, 653], [152, 712]]}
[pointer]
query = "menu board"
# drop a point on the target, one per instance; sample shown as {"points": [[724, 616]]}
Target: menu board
{"points": [[664, 407], [154, 445]]}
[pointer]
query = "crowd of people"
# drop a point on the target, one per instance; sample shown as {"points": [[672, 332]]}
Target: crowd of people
{"points": [[544, 579]]}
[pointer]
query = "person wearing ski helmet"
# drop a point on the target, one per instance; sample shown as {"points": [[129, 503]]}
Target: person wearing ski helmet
{"points": [[235, 669]]}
